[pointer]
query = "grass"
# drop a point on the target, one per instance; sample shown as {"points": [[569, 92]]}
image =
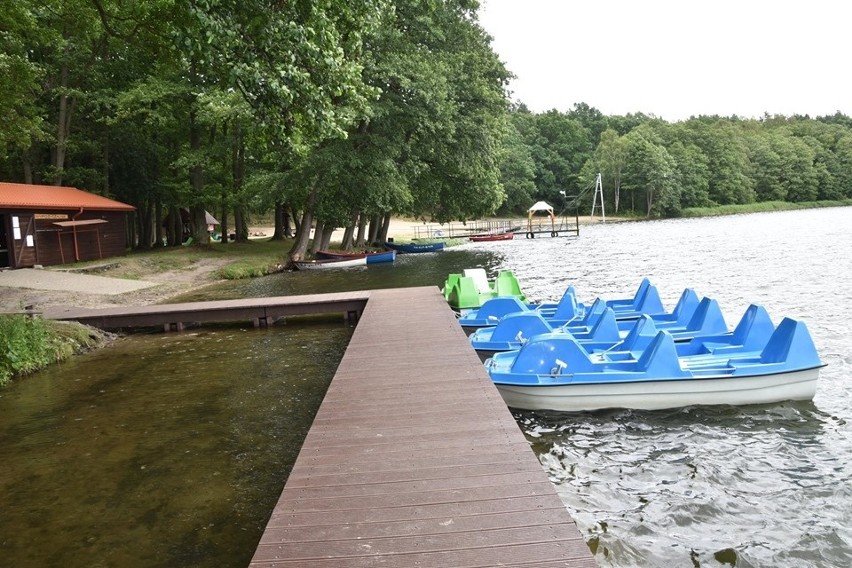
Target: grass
{"points": [[239, 260], [761, 207], [28, 344]]}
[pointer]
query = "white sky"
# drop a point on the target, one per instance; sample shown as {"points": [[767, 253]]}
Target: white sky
{"points": [[676, 58]]}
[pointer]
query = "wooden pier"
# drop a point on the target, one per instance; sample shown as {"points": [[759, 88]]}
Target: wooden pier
{"points": [[175, 317], [413, 458]]}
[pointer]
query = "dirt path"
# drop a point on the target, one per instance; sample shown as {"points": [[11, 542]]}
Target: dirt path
{"points": [[65, 288]]}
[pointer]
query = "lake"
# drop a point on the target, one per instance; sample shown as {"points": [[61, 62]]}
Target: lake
{"points": [[172, 449]]}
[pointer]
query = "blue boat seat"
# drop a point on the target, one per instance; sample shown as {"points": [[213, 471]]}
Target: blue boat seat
{"points": [[660, 358], [707, 320], [604, 328], [683, 310], [751, 335], [791, 343], [630, 304]]}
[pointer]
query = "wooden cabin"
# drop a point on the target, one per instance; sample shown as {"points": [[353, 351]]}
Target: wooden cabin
{"points": [[47, 225]]}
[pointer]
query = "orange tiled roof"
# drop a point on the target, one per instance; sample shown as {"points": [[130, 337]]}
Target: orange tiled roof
{"points": [[25, 196]]}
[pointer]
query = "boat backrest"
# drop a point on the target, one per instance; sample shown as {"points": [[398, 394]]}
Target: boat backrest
{"points": [[593, 313], [791, 343], [494, 310], [754, 329], [507, 285], [639, 336], [527, 324], [686, 306], [649, 301], [451, 281], [605, 328], [629, 302], [567, 308], [479, 277], [708, 318], [660, 358], [465, 295], [545, 353]]}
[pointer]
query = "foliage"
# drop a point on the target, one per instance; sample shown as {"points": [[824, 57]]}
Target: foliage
{"points": [[28, 344], [348, 110]]}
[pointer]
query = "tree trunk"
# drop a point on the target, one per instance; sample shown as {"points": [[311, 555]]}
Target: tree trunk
{"points": [[303, 234], [360, 240], [296, 223], [241, 232], [285, 216], [144, 216], [280, 222], [349, 234], [383, 232], [317, 242], [373, 234], [325, 238], [63, 122], [158, 224], [649, 201], [27, 159]]}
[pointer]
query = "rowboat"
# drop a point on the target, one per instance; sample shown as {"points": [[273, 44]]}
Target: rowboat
{"points": [[471, 288], [554, 372], [492, 237], [415, 247], [372, 257], [329, 263]]}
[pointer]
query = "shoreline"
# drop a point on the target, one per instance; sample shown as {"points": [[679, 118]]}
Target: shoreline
{"points": [[163, 285]]}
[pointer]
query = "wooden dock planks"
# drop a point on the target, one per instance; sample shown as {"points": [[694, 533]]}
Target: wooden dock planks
{"points": [[413, 459], [261, 311]]}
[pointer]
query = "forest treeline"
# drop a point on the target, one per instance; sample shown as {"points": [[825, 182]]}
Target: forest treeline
{"points": [[342, 113]]}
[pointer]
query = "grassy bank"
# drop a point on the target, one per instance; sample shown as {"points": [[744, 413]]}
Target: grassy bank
{"points": [[235, 260], [28, 344], [762, 207]]}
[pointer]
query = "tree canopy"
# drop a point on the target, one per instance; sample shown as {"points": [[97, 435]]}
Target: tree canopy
{"points": [[341, 113]]}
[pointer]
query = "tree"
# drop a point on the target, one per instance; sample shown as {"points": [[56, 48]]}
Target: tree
{"points": [[649, 172]]}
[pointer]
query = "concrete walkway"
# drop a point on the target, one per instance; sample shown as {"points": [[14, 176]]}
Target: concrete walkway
{"points": [[69, 282]]}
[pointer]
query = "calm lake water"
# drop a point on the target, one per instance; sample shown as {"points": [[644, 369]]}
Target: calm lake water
{"points": [[170, 450]]}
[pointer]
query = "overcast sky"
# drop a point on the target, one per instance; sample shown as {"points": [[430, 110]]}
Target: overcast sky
{"points": [[676, 58]]}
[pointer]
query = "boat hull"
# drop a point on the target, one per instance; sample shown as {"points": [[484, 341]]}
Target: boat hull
{"points": [[372, 257], [415, 248], [330, 263], [492, 237], [661, 394]]}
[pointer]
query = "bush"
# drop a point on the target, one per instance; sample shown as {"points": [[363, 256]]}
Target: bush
{"points": [[26, 344]]}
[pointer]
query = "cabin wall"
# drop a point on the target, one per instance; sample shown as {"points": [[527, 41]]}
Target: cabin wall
{"points": [[19, 241], [49, 244]]}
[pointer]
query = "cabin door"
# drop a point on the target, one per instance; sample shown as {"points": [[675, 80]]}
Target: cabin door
{"points": [[5, 244]]}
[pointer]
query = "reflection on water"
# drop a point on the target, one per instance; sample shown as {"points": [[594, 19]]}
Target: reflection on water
{"points": [[162, 450]]}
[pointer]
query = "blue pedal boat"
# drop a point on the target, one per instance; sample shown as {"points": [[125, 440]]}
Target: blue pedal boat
{"points": [[492, 311], [599, 326], [554, 372]]}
